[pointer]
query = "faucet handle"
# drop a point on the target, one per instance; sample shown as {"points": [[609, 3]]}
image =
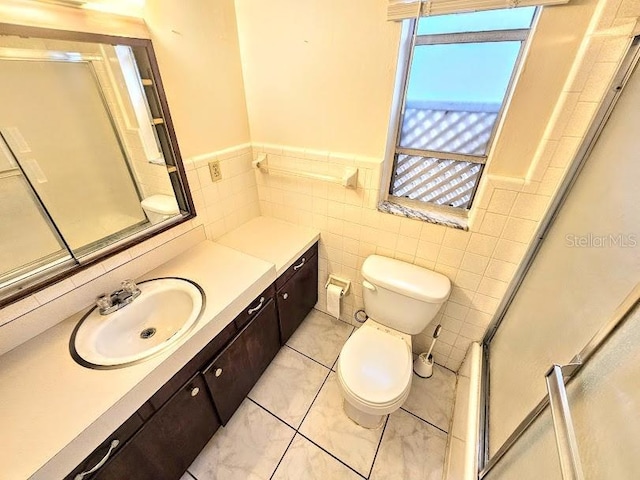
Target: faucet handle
{"points": [[104, 302], [130, 287]]}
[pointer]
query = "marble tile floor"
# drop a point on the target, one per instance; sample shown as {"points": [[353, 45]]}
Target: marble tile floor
{"points": [[292, 425]]}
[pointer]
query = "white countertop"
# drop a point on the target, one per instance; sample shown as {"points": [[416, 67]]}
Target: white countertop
{"points": [[53, 412], [273, 240]]}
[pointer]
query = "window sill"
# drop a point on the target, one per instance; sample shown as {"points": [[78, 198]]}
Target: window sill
{"points": [[427, 213]]}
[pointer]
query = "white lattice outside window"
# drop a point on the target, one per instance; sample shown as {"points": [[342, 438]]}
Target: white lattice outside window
{"points": [[460, 71]]}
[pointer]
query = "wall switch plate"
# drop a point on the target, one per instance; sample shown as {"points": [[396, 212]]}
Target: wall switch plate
{"points": [[215, 171]]}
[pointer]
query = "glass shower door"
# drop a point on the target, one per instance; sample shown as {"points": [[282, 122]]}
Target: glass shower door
{"points": [[28, 241], [603, 399], [85, 180], [586, 266]]}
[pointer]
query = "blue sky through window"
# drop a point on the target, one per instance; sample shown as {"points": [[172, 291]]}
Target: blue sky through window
{"points": [[462, 72]]}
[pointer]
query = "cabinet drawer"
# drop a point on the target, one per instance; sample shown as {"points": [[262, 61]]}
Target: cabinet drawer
{"points": [[234, 372], [122, 434], [170, 441], [255, 307], [297, 265]]}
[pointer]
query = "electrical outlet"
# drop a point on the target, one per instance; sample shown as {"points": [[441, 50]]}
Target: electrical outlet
{"points": [[215, 171]]}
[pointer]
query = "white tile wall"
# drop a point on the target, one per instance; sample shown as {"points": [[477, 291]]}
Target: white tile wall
{"points": [[228, 203]]}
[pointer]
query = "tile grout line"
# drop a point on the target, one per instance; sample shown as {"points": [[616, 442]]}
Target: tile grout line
{"points": [[331, 455], [446, 368], [314, 400], [283, 455], [191, 475], [307, 356], [425, 421], [375, 456], [297, 430], [272, 414]]}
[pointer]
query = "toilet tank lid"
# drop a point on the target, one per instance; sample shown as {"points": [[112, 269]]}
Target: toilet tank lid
{"points": [[406, 279], [162, 204]]}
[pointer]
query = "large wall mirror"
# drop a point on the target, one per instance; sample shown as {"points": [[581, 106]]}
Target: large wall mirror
{"points": [[89, 162]]}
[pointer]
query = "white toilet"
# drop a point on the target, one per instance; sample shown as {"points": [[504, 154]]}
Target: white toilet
{"points": [[160, 207], [375, 364]]}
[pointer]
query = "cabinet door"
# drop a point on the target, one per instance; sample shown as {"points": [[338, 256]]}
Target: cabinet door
{"points": [[234, 372], [263, 340], [297, 297], [170, 441]]}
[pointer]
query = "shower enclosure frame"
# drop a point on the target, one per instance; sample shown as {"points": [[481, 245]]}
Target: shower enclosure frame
{"points": [[486, 463]]}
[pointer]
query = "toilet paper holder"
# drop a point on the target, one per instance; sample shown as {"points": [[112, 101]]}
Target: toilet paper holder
{"points": [[343, 283]]}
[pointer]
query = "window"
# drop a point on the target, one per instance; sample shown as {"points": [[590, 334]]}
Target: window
{"points": [[461, 69]]}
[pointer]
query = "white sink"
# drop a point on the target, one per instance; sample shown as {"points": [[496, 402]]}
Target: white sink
{"points": [[165, 311]]}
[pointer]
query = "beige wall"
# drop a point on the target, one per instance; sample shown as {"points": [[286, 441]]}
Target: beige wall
{"points": [[197, 47], [555, 43], [319, 73]]}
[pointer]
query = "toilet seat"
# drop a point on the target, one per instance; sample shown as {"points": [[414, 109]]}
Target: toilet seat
{"points": [[374, 368]]}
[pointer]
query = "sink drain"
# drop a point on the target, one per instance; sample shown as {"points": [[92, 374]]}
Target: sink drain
{"points": [[147, 333]]}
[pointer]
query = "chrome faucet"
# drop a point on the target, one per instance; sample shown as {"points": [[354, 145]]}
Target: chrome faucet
{"points": [[109, 303]]}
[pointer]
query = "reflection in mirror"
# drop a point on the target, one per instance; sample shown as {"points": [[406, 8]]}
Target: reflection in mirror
{"points": [[86, 158], [29, 241]]}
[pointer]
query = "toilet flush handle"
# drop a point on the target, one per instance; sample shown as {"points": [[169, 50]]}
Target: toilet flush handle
{"points": [[369, 286]]}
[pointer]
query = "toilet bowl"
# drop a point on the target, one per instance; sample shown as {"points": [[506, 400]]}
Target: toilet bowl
{"points": [[160, 207], [375, 364], [374, 373]]}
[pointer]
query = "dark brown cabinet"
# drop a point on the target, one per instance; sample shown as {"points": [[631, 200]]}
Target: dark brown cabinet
{"points": [[167, 444], [233, 373], [298, 295]]}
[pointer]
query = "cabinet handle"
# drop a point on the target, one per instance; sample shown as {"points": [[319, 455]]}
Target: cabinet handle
{"points": [[285, 295], [255, 309], [195, 391], [218, 372], [299, 266], [114, 443]]}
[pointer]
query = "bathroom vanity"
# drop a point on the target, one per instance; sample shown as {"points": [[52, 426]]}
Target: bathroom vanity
{"points": [[150, 420]]}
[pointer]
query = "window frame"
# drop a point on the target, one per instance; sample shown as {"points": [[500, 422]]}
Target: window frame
{"points": [[409, 41]]}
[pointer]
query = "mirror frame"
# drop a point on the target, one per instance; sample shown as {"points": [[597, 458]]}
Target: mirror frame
{"points": [[55, 275]]}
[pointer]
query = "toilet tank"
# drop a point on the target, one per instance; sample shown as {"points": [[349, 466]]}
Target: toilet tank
{"points": [[400, 295]]}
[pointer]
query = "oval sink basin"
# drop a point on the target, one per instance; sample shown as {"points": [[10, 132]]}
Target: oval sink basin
{"points": [[165, 311]]}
